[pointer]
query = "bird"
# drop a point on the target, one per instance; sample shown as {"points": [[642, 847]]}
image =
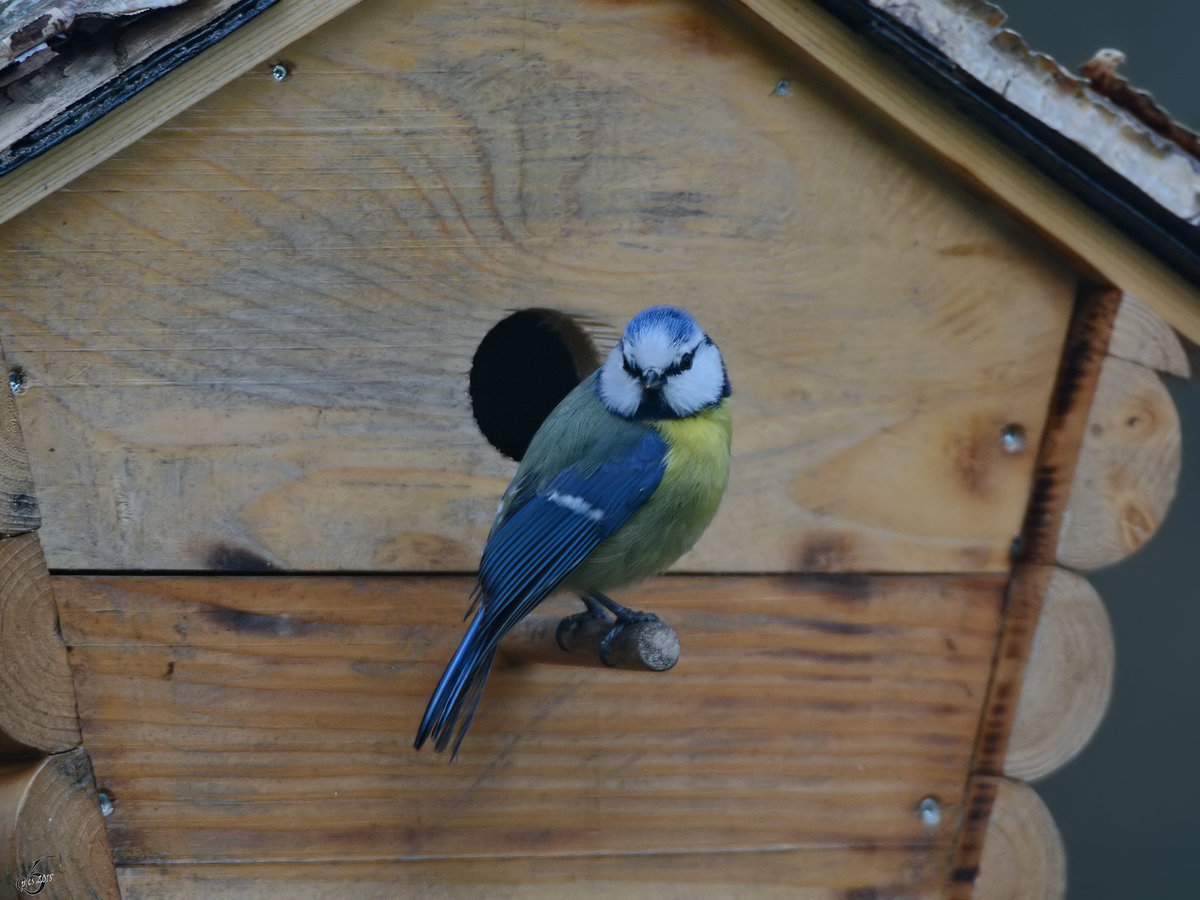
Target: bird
{"points": [[618, 482]]}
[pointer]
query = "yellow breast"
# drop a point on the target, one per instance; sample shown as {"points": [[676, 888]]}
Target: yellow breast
{"points": [[670, 522], [698, 443], [697, 470]]}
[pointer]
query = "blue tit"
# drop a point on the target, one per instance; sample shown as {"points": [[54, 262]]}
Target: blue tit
{"points": [[619, 481]]}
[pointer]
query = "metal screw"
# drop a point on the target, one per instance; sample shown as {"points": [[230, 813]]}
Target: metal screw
{"points": [[782, 88], [106, 804], [1012, 439], [18, 380], [280, 72], [930, 812], [1015, 548]]}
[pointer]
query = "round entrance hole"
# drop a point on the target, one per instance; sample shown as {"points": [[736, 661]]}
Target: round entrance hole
{"points": [[523, 367]]}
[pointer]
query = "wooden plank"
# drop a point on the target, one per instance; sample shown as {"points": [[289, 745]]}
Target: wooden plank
{"points": [[270, 719], [1097, 247], [284, 287], [170, 95], [19, 511], [1083, 358], [52, 836], [774, 874]]}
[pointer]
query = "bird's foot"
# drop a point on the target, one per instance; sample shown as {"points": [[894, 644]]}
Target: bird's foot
{"points": [[568, 624], [624, 616]]}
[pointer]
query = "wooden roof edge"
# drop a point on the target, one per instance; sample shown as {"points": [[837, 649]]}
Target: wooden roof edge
{"points": [[1156, 154], [1112, 230], [151, 48], [175, 90]]}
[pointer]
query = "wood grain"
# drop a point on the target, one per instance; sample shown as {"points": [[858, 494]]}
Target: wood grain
{"points": [[1097, 247], [1024, 597], [1067, 682], [270, 720], [847, 873], [1023, 856], [286, 284], [1127, 471], [1076, 385], [1141, 336], [37, 696], [18, 502], [1083, 357], [50, 825]]}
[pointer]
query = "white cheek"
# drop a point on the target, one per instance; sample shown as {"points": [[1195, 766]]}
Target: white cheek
{"points": [[619, 392], [689, 392]]}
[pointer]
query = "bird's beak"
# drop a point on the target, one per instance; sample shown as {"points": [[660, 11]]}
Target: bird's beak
{"points": [[653, 379]]}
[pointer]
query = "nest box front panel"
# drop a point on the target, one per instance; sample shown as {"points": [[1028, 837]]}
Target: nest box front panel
{"points": [[246, 341], [270, 720]]}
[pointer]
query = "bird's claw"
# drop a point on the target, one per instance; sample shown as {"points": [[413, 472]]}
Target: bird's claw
{"points": [[569, 623]]}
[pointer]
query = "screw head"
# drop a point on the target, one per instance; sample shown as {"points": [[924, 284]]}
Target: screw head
{"points": [[1012, 439], [930, 812], [106, 804], [280, 72]]}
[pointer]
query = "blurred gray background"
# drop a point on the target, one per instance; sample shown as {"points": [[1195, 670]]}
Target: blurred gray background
{"points": [[1128, 806]]}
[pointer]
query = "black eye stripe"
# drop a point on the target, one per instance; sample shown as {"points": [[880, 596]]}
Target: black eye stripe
{"points": [[685, 363]]}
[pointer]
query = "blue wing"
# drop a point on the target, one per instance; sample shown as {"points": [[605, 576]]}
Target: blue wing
{"points": [[547, 530], [544, 536]]}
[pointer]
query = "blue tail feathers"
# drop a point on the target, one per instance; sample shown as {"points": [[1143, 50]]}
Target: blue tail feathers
{"points": [[456, 697]]}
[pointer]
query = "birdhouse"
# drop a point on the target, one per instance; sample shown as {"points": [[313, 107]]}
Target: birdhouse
{"points": [[288, 286]]}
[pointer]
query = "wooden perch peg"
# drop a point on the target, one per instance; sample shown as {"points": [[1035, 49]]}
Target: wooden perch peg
{"points": [[651, 646]]}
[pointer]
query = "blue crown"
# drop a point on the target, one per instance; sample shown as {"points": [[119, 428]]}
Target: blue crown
{"points": [[675, 324]]}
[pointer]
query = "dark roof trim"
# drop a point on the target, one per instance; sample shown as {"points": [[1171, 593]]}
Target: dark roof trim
{"points": [[1174, 241], [112, 94]]}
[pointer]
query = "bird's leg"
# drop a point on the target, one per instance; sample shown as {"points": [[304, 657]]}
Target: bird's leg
{"points": [[594, 611], [624, 616]]}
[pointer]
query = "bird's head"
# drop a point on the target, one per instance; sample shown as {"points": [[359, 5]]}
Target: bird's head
{"points": [[664, 367]]}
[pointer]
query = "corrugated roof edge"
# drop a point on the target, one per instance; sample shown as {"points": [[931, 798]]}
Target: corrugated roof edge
{"points": [[970, 33], [115, 92], [1169, 232]]}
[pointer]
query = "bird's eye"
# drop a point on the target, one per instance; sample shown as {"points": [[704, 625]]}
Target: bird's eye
{"points": [[685, 361], [630, 369]]}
